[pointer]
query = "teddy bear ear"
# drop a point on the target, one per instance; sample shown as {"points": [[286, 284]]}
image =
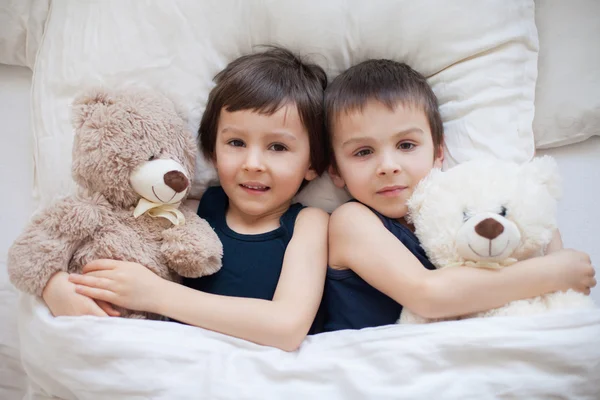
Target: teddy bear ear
{"points": [[84, 104], [415, 202], [183, 106], [544, 170], [179, 104]]}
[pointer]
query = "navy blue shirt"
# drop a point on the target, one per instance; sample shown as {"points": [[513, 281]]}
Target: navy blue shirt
{"points": [[351, 303], [251, 263]]}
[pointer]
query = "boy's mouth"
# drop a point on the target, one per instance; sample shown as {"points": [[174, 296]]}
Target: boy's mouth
{"points": [[392, 190], [254, 187]]}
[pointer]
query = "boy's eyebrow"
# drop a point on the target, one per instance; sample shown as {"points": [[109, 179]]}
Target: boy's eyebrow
{"points": [[231, 129], [274, 134], [405, 132], [401, 133], [282, 134]]}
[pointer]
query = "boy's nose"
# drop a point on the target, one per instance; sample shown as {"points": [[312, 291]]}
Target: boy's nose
{"points": [[389, 171], [253, 161], [388, 167]]}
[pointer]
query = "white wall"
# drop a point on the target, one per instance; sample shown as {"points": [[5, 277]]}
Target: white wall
{"points": [[16, 203], [579, 209]]}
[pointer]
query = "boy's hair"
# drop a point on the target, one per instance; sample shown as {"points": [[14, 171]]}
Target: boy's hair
{"points": [[388, 82], [265, 82]]}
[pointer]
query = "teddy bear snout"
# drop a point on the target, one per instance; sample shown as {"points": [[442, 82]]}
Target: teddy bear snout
{"points": [[176, 180], [489, 228], [162, 181]]}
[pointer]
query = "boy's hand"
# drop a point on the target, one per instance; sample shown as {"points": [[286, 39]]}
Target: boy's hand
{"points": [[573, 270], [62, 299], [124, 284]]}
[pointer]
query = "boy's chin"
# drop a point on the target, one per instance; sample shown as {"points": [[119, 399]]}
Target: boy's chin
{"points": [[393, 212]]}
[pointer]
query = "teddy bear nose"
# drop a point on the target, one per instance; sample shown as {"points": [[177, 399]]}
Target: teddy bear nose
{"points": [[176, 180], [489, 228]]}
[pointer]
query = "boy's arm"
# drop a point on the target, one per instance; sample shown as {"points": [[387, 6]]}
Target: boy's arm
{"points": [[61, 298], [282, 322], [358, 240], [555, 244]]}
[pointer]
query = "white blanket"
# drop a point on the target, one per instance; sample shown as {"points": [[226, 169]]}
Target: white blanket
{"points": [[550, 356]]}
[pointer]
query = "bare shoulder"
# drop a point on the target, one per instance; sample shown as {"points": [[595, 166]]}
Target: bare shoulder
{"points": [[352, 217], [313, 213], [354, 230], [311, 218]]}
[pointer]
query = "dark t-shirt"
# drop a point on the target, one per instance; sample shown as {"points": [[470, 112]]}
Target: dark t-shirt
{"points": [[251, 263], [351, 303]]}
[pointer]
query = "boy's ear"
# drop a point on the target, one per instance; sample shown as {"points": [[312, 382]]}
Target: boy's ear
{"points": [[310, 174], [438, 157], [336, 178]]}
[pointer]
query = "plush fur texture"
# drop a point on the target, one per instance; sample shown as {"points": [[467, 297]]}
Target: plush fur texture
{"points": [[117, 134], [489, 214]]}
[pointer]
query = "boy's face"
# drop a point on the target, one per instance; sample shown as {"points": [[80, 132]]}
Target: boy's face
{"points": [[262, 159], [382, 154]]}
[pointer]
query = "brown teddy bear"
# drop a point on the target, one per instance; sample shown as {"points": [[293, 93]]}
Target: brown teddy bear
{"points": [[133, 159]]}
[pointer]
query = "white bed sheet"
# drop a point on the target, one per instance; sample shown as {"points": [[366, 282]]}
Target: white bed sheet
{"points": [[549, 356]]}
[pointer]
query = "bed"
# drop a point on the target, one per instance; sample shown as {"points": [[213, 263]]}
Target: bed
{"points": [[87, 358]]}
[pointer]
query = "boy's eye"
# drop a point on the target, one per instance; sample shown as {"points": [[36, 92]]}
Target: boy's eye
{"points": [[236, 143], [277, 147], [406, 146], [363, 152]]}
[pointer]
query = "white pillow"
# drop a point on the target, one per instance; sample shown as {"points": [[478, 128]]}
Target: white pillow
{"points": [[21, 28], [480, 58], [567, 103]]}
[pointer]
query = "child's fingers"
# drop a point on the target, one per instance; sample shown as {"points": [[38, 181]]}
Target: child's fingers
{"points": [[97, 294], [95, 310], [108, 274], [91, 281], [108, 308], [99, 265]]}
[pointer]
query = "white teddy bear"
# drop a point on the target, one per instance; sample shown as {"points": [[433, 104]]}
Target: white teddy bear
{"points": [[490, 214]]}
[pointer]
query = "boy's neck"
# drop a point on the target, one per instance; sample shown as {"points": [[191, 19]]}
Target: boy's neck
{"points": [[402, 221], [246, 224]]}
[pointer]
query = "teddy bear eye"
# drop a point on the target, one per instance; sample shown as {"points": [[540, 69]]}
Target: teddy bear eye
{"points": [[502, 211], [154, 157], [466, 216]]}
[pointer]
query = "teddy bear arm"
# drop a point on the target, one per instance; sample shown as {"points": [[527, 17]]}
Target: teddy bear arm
{"points": [[192, 249], [44, 248], [79, 218]]}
